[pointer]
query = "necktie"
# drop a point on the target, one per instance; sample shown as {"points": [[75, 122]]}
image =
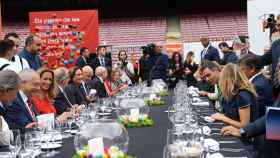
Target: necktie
{"points": [[66, 97], [29, 108], [103, 61]]}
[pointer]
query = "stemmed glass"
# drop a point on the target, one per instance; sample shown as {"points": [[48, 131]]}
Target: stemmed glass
{"points": [[15, 142]]}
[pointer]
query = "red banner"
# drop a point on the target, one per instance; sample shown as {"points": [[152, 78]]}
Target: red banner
{"points": [[63, 33]]}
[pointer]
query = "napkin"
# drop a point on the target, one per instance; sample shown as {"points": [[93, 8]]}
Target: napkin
{"points": [[92, 92], [211, 144], [201, 104], [209, 119], [216, 155], [196, 100], [206, 130]]}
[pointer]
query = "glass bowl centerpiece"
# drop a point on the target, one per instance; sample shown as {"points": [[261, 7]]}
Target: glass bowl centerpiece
{"points": [[133, 112], [101, 138]]}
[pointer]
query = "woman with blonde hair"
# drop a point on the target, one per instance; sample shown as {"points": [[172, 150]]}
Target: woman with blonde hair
{"points": [[43, 100], [238, 98], [190, 68]]}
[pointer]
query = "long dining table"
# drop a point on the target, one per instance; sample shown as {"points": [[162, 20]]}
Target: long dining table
{"points": [[149, 142]]}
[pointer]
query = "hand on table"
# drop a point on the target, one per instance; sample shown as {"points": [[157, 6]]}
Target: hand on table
{"points": [[31, 125], [203, 93], [229, 130], [218, 116], [63, 117]]}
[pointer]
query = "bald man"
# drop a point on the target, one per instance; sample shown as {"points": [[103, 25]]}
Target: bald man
{"points": [[101, 75], [22, 113], [31, 52], [87, 73]]}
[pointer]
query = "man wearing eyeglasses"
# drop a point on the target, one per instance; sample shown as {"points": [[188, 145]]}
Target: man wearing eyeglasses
{"points": [[18, 62], [31, 51]]}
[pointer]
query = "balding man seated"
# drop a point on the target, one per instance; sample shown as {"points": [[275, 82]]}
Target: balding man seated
{"points": [[9, 86], [87, 73], [101, 75], [22, 113]]}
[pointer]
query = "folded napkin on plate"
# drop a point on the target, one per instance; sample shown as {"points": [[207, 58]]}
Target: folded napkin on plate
{"points": [[201, 104], [209, 119], [206, 130], [196, 100], [216, 155], [211, 144]]}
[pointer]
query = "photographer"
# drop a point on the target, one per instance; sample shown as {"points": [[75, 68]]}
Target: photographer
{"points": [[160, 64], [145, 64], [127, 69]]}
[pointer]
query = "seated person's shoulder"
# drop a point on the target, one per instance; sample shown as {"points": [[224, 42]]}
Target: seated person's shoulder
{"points": [[245, 98]]}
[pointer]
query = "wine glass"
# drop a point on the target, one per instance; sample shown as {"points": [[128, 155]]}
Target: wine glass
{"points": [[15, 142]]}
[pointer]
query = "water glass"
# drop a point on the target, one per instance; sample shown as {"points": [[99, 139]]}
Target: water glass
{"points": [[15, 142]]}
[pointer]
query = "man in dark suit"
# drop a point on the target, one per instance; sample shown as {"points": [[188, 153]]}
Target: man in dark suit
{"points": [[22, 113], [82, 59], [209, 52], [267, 148], [250, 65], [101, 75], [101, 59]]}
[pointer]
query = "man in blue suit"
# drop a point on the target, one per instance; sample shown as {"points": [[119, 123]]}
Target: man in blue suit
{"points": [[268, 148], [22, 113], [31, 52], [82, 59], [100, 59], [250, 65], [209, 52]]}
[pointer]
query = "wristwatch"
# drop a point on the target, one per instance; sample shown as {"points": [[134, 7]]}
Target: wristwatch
{"points": [[243, 133]]}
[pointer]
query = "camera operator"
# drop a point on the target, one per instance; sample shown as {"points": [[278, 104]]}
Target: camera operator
{"points": [[272, 56], [276, 33], [270, 23], [145, 64], [159, 62]]}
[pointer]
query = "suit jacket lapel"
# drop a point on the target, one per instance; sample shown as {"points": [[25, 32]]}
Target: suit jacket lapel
{"points": [[22, 103]]}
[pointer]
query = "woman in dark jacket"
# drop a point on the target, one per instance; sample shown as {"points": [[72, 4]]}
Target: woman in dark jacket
{"points": [[176, 69], [190, 67]]}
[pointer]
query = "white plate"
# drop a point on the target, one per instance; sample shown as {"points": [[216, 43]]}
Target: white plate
{"points": [[209, 119], [51, 146], [103, 114]]}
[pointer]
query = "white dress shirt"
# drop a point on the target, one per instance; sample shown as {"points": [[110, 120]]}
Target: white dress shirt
{"points": [[25, 99], [4, 61], [4, 131], [253, 77], [20, 66]]}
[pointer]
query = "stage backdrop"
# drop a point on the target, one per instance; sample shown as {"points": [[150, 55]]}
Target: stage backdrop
{"points": [[63, 33]]}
